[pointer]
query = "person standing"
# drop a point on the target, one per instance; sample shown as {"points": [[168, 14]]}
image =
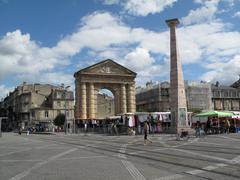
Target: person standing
{"points": [[146, 130], [85, 128], [198, 129]]}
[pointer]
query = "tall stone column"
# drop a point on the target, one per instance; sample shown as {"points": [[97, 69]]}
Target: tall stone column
{"points": [[131, 105], [91, 101], [123, 99], [177, 91], [77, 102], [83, 103]]}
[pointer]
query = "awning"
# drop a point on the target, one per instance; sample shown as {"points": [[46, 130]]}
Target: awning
{"points": [[236, 117], [215, 113]]}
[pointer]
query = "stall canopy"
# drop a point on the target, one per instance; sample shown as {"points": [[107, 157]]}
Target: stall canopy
{"points": [[215, 114]]}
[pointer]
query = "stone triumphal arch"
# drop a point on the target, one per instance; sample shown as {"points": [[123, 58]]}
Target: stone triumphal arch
{"points": [[109, 75]]}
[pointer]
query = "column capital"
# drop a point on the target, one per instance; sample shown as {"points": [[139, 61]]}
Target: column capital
{"points": [[172, 22]]}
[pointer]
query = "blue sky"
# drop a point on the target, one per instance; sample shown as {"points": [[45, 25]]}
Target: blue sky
{"points": [[47, 41]]}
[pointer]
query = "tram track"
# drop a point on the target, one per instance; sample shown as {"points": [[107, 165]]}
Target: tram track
{"points": [[115, 150]]}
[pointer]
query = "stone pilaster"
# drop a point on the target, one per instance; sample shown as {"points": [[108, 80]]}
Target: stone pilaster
{"points": [[91, 101], [83, 104], [177, 91], [123, 99]]}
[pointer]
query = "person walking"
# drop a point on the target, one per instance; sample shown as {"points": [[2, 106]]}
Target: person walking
{"points": [[227, 124], [20, 131], [146, 130], [115, 128]]}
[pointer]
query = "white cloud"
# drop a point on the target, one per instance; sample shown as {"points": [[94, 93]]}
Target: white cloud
{"points": [[223, 72], [145, 7], [142, 7], [110, 2], [98, 31], [4, 91], [230, 3], [139, 59], [19, 54], [205, 40], [237, 14], [205, 13], [55, 78]]}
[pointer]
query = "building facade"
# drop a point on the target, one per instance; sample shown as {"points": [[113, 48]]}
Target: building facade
{"points": [[201, 96], [198, 96], [226, 97], [38, 105], [105, 106], [154, 97]]}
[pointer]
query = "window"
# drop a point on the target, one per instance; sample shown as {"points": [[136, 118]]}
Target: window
{"points": [[217, 93], [58, 103], [226, 94], [58, 112], [26, 100], [33, 114], [59, 95], [234, 94], [46, 113], [63, 95], [67, 104], [67, 113]]}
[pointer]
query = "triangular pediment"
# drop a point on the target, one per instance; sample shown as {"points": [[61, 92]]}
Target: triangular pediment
{"points": [[107, 67]]}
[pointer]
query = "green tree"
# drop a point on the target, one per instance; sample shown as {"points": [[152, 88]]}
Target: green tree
{"points": [[59, 120], [195, 110]]}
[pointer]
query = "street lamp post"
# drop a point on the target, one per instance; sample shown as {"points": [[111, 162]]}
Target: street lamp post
{"points": [[0, 127]]}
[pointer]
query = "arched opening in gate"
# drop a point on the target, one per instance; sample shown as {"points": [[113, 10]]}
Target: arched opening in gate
{"points": [[105, 103]]}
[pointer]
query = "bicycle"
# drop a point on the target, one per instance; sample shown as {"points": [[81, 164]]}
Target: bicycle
{"points": [[184, 135]]}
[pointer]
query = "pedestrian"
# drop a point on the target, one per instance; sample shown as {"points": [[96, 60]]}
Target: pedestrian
{"points": [[208, 124], [85, 127], [20, 131], [198, 129], [146, 131], [28, 131], [227, 126], [115, 128], [112, 128]]}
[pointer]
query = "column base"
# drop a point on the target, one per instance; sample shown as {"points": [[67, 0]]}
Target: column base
{"points": [[171, 130], [175, 130]]}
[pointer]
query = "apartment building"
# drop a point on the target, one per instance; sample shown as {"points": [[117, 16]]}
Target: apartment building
{"points": [[38, 105]]}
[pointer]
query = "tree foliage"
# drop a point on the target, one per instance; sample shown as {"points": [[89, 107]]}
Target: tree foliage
{"points": [[195, 110], [59, 120]]}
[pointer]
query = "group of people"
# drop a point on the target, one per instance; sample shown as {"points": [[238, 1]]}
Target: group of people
{"points": [[28, 131], [212, 126]]}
